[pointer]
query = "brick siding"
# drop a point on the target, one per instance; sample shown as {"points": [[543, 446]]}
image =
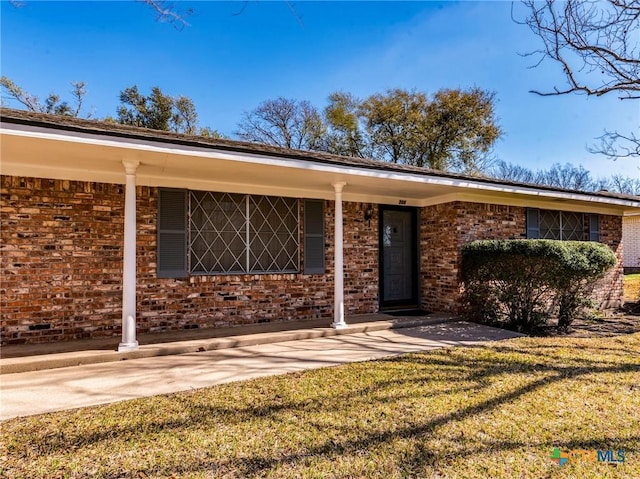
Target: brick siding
{"points": [[446, 227], [608, 292], [61, 259], [61, 263], [443, 230]]}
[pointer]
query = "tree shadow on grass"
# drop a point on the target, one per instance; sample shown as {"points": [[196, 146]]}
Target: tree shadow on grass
{"points": [[258, 465], [459, 371]]}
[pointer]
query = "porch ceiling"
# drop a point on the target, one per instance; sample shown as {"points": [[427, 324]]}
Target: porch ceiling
{"points": [[77, 156]]}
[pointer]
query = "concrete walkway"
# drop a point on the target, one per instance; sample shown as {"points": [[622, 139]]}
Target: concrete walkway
{"points": [[37, 392], [35, 357]]}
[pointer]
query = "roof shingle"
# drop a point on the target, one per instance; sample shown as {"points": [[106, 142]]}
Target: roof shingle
{"points": [[116, 130]]}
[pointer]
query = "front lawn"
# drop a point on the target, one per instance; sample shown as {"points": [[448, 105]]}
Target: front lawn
{"points": [[487, 412], [632, 287]]}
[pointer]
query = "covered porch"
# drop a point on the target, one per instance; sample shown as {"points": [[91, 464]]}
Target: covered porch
{"points": [[81, 151]]}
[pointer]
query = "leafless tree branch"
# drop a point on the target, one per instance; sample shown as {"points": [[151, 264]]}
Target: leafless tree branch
{"points": [[615, 145], [167, 12], [79, 91], [52, 104], [596, 43], [294, 12]]}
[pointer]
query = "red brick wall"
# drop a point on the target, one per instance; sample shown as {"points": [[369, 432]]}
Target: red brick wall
{"points": [[61, 264], [609, 290], [60, 259], [439, 258], [445, 228]]}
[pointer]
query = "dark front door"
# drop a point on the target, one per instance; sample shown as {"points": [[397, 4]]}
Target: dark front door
{"points": [[398, 257]]}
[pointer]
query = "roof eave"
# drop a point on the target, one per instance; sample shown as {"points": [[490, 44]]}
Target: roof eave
{"points": [[249, 153]]}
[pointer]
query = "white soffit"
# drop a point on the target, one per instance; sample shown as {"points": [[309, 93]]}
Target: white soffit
{"points": [[98, 158]]}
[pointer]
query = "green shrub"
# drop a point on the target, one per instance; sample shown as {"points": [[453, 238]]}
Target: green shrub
{"points": [[574, 278], [522, 282]]}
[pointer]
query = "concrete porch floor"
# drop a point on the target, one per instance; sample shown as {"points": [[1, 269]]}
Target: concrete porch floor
{"points": [[37, 392], [35, 357]]}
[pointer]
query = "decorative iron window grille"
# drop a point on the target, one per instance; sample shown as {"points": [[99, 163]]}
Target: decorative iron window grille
{"points": [[561, 225], [239, 234]]}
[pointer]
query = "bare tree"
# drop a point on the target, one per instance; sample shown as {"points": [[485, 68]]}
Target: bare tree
{"points": [[565, 176], [503, 170], [625, 185], [166, 12], [617, 145], [597, 44], [52, 104], [284, 122]]}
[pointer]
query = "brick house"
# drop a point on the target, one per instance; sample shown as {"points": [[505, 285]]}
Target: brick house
{"points": [[109, 230]]}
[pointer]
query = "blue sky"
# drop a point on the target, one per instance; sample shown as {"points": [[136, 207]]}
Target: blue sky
{"points": [[235, 55]]}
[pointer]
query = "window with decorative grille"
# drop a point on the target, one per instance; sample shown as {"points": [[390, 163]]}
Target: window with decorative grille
{"points": [[238, 234], [562, 225]]}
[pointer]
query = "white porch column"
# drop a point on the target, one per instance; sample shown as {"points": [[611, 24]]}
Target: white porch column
{"points": [[129, 342], [338, 279]]}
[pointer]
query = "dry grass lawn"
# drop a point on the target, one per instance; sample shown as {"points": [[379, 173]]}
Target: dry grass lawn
{"points": [[632, 287], [495, 411]]}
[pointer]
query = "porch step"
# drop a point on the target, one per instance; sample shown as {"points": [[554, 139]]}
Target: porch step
{"points": [[357, 324]]}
